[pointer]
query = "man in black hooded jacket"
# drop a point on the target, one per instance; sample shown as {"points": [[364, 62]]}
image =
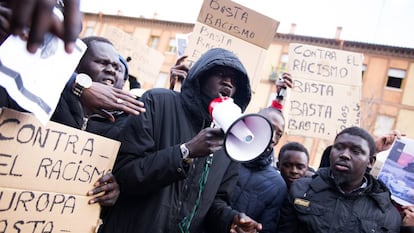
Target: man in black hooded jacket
{"points": [[173, 173], [342, 197]]}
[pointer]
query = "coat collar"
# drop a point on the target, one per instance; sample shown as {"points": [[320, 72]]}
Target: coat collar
{"points": [[374, 189]]}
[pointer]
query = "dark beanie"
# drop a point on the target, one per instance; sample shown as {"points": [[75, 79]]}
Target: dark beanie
{"points": [[124, 62]]}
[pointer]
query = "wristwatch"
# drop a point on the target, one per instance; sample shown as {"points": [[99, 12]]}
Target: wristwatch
{"points": [[82, 81], [185, 153]]}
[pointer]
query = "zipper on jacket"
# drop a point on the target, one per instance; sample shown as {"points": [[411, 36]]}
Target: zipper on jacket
{"points": [[85, 123]]}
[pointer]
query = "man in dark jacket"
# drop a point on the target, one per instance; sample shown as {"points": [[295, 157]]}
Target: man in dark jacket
{"points": [[342, 197], [261, 190], [102, 63], [173, 173], [84, 110]]}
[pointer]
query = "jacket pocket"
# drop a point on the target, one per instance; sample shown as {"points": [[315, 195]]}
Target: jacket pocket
{"points": [[370, 226], [313, 215], [305, 207]]}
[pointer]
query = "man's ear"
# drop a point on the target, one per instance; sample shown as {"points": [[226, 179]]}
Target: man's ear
{"points": [[372, 160]]}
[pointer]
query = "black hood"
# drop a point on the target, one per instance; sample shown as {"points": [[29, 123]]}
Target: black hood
{"points": [[262, 161], [191, 91]]}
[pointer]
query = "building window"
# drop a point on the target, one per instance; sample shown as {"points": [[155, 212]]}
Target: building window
{"points": [[90, 29], [282, 67], [172, 46], [383, 125], [162, 80], [364, 68], [154, 41], [395, 78]]}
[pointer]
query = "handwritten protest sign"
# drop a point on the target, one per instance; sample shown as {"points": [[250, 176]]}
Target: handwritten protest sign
{"points": [[226, 24], [326, 92], [238, 21], [45, 173], [146, 62], [397, 172]]}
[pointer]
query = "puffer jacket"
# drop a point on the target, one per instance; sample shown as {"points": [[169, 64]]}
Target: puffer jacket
{"points": [[316, 205], [260, 191]]}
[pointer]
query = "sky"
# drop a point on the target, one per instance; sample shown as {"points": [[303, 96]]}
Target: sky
{"points": [[385, 22]]}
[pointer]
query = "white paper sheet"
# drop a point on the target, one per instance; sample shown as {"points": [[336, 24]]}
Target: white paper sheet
{"points": [[35, 81]]}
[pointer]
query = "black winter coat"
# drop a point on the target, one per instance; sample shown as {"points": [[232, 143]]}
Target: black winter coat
{"points": [[316, 205], [158, 190], [260, 192], [7, 102]]}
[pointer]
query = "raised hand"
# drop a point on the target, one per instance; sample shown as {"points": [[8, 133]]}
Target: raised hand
{"points": [[283, 82], [207, 141], [178, 72], [101, 99], [35, 18], [384, 142]]}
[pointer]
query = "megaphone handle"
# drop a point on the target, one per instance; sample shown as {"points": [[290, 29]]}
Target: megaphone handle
{"points": [[281, 95]]}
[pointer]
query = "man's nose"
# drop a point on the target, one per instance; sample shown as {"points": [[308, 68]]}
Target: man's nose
{"points": [[228, 81], [295, 170], [345, 154], [110, 68]]}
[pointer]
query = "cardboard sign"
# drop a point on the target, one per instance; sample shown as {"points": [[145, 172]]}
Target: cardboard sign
{"points": [[325, 64], [146, 62], [45, 173], [202, 39], [238, 21], [397, 172], [226, 24], [41, 211], [326, 93]]}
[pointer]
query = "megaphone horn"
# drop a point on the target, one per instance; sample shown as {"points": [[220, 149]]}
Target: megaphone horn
{"points": [[246, 136]]}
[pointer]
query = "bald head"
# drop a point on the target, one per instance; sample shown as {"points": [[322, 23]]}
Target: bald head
{"points": [[277, 121]]}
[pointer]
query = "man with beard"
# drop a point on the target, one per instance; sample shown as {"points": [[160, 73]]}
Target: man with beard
{"points": [[342, 197], [173, 173]]}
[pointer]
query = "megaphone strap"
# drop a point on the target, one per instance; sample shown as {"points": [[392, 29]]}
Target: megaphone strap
{"points": [[185, 224]]}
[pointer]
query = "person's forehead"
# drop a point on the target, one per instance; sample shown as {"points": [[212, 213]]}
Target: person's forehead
{"points": [[295, 156], [103, 50], [220, 68], [223, 70], [274, 116], [351, 140]]}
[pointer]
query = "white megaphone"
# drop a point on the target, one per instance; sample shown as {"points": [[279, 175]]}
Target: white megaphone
{"points": [[246, 136]]}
